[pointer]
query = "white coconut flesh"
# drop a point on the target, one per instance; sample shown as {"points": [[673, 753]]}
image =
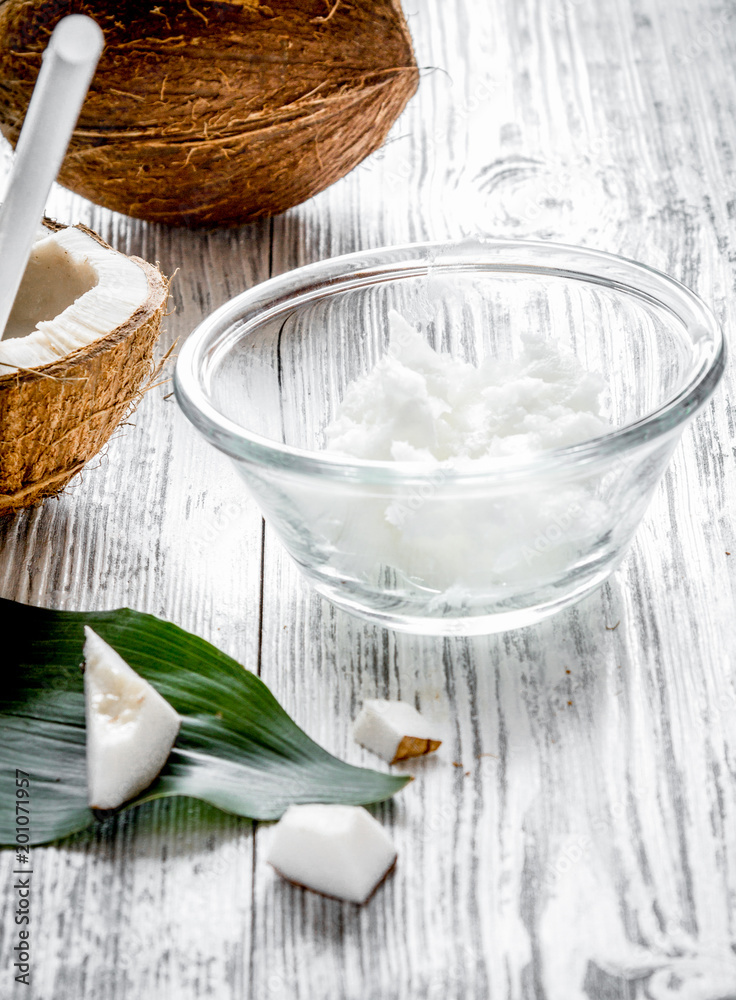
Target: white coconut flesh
{"points": [[131, 728], [74, 291], [336, 850], [394, 730]]}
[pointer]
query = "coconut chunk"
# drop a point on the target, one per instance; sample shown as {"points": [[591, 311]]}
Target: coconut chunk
{"points": [[339, 851], [74, 291], [394, 730], [130, 727]]}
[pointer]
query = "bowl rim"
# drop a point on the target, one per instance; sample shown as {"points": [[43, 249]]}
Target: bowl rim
{"points": [[323, 278]]}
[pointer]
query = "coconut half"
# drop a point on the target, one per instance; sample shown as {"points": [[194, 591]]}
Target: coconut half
{"points": [[77, 348], [130, 727]]}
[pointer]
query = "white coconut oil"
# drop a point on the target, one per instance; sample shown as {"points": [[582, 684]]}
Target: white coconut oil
{"points": [[420, 405], [461, 546]]}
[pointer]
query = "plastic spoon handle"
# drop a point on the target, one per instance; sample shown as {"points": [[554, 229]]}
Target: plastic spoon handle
{"points": [[68, 65]]}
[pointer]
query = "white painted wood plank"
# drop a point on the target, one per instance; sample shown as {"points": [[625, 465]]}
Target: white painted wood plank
{"points": [[131, 911], [591, 856]]}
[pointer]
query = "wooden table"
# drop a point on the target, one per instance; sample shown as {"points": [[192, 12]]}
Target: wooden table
{"points": [[574, 838]]}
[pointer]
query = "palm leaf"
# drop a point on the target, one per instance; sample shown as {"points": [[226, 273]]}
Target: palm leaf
{"points": [[237, 748]]}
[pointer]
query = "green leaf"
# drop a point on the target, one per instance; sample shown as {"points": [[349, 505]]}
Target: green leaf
{"points": [[237, 748]]}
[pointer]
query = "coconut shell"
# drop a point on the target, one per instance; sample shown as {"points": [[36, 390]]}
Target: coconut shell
{"points": [[222, 112], [55, 418]]}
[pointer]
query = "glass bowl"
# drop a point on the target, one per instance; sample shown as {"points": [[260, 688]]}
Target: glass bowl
{"points": [[471, 551]]}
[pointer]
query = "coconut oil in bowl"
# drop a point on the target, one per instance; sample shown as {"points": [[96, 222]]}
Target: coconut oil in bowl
{"points": [[445, 517]]}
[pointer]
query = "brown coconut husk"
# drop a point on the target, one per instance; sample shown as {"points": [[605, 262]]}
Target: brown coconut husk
{"points": [[56, 417], [415, 746], [218, 112]]}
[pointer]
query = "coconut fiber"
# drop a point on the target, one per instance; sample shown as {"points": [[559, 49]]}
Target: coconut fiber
{"points": [[218, 112]]}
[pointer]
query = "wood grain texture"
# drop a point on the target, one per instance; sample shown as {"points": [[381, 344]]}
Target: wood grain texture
{"points": [[584, 848]]}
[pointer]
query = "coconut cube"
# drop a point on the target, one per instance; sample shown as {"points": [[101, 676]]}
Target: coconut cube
{"points": [[394, 730], [339, 851]]}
